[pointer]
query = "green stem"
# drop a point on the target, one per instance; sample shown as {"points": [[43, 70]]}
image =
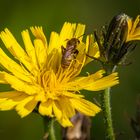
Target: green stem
{"points": [[106, 107], [49, 128]]}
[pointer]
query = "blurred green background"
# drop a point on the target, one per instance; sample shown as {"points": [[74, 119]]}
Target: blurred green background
{"points": [[51, 14]]}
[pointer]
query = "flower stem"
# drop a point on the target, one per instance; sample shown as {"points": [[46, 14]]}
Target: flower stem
{"points": [[106, 107], [49, 129]]}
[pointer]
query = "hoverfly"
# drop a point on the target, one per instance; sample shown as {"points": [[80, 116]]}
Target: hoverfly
{"points": [[70, 52]]}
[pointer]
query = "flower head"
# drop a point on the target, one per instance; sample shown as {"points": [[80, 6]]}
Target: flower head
{"points": [[41, 80], [117, 40]]}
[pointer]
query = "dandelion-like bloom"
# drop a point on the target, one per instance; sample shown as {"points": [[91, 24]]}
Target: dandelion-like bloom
{"points": [[133, 29], [38, 79]]}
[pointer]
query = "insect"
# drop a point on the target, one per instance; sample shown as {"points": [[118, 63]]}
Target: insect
{"points": [[70, 52]]}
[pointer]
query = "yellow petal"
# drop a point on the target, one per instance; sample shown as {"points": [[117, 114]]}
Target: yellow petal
{"points": [[129, 22], [85, 107], [10, 94], [80, 83], [26, 106], [46, 108], [93, 82], [81, 57], [30, 106], [103, 83], [133, 29], [135, 24], [2, 100], [41, 53], [67, 107], [79, 33], [16, 50], [29, 46], [39, 34], [65, 122], [2, 80], [13, 95], [54, 42], [12, 98], [8, 105], [92, 49], [13, 67], [54, 60], [137, 32], [72, 95], [57, 110], [21, 85], [66, 33]]}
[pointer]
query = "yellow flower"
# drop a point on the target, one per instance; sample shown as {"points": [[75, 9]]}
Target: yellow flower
{"points": [[133, 29], [40, 82]]}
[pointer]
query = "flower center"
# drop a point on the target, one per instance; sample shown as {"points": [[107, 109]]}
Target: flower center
{"points": [[50, 85]]}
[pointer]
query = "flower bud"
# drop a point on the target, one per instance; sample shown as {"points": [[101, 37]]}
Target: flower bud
{"points": [[113, 44], [116, 36]]}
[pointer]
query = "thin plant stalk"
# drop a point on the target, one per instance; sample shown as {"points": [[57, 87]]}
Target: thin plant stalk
{"points": [[49, 129], [106, 107]]}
